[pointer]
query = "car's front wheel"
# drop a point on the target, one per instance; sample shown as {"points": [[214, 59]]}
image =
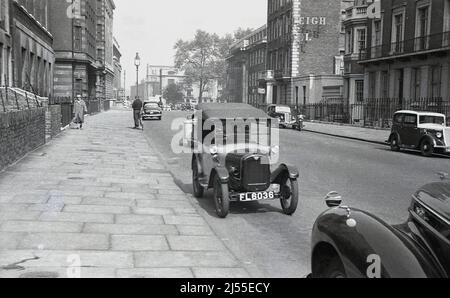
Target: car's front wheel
{"points": [[427, 148], [289, 196], [221, 198], [395, 145]]}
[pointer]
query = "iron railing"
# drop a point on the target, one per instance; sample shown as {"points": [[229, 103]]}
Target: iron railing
{"points": [[373, 112], [411, 46]]}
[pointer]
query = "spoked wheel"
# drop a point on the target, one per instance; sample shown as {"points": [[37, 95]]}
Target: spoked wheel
{"points": [[427, 148], [221, 198], [198, 189], [289, 196], [395, 146]]}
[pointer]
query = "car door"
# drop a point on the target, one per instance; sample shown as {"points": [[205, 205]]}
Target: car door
{"points": [[410, 133]]}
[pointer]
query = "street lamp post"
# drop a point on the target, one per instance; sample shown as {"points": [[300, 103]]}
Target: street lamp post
{"points": [[137, 62]]}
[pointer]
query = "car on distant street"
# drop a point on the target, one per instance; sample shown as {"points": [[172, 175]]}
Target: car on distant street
{"points": [[286, 116], [422, 131], [351, 243], [152, 110], [234, 163]]}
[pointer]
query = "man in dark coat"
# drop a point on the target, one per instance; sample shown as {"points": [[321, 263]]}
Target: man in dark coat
{"points": [[137, 109]]}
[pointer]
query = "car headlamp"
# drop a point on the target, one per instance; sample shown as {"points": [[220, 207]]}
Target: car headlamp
{"points": [[439, 135]]}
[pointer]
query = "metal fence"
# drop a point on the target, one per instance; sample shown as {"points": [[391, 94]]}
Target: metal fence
{"points": [[373, 112], [376, 112]]}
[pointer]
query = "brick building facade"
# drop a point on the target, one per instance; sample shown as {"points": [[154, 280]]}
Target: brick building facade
{"points": [[246, 67], [407, 56], [301, 69]]}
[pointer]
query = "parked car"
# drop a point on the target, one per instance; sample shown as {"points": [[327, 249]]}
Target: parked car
{"points": [[422, 131], [286, 116], [239, 171], [152, 111], [350, 243]]}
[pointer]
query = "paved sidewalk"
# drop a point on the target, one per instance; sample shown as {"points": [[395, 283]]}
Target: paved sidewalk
{"points": [[100, 200], [349, 132]]}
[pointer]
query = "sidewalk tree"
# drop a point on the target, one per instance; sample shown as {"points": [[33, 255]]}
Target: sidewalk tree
{"points": [[200, 59], [174, 94]]}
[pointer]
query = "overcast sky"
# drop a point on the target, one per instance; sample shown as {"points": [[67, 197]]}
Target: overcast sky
{"points": [[151, 27]]}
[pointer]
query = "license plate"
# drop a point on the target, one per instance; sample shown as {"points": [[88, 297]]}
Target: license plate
{"points": [[257, 196]]}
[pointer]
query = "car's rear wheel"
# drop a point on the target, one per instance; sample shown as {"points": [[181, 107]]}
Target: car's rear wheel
{"points": [[289, 196], [427, 148], [221, 198], [395, 144], [198, 189]]}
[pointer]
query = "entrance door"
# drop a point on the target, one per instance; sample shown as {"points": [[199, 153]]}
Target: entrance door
{"points": [[275, 95]]}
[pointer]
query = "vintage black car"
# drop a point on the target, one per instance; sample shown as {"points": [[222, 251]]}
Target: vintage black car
{"points": [[234, 166], [422, 131], [152, 110], [350, 243], [288, 118]]}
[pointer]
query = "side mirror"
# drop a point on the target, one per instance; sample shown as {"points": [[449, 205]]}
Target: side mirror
{"points": [[333, 199]]}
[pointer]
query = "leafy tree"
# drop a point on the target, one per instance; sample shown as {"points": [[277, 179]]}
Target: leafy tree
{"points": [[173, 93], [200, 59]]}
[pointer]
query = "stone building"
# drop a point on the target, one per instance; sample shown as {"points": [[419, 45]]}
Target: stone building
{"points": [[30, 48], [407, 54], [246, 67], [119, 90], [5, 44], [104, 45], [83, 45]]}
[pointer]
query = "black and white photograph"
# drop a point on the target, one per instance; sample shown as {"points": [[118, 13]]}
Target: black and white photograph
{"points": [[224, 147]]}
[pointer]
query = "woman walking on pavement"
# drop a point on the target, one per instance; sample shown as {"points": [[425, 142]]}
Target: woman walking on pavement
{"points": [[79, 109]]}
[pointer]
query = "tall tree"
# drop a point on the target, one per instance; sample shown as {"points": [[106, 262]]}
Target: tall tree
{"points": [[174, 93], [199, 59]]}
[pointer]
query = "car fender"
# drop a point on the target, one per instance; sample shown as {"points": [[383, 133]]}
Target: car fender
{"points": [[396, 134], [222, 173], [282, 171], [370, 248], [429, 138]]}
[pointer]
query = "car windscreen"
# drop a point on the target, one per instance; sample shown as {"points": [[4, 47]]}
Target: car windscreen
{"points": [[282, 110], [151, 106], [432, 120]]}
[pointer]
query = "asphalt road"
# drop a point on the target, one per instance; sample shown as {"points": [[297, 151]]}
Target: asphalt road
{"points": [[270, 244]]}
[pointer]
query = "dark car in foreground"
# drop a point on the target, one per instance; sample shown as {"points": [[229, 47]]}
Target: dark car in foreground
{"points": [[234, 165], [422, 131], [152, 110], [351, 243]]}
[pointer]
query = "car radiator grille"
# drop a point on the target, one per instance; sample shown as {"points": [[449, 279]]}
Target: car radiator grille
{"points": [[256, 173]]}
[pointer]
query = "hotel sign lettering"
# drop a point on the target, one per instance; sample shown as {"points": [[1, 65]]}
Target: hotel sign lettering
{"points": [[310, 27]]}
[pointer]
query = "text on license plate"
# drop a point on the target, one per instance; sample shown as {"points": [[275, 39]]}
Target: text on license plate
{"points": [[257, 196]]}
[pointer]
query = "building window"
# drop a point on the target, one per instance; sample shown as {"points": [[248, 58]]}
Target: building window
{"points": [[349, 42], [422, 30], [359, 87], [361, 39], [398, 33], [377, 39], [77, 38], [416, 81], [447, 23], [384, 84], [436, 73]]}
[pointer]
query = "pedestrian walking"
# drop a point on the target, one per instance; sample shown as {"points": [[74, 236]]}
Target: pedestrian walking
{"points": [[137, 109], [79, 110]]}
